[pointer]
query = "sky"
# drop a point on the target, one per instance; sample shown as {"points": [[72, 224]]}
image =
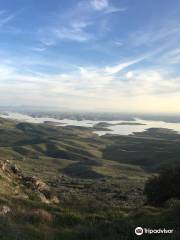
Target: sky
{"points": [[93, 55]]}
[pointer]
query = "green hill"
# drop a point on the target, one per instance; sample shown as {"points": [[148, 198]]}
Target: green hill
{"points": [[99, 182]]}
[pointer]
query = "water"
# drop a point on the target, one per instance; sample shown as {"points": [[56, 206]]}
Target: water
{"points": [[115, 129], [129, 129]]}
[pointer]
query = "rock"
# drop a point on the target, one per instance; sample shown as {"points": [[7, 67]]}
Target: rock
{"points": [[15, 169], [36, 184], [5, 166], [40, 185], [41, 188], [43, 198], [4, 210], [55, 200], [27, 182], [10, 168], [33, 183]]}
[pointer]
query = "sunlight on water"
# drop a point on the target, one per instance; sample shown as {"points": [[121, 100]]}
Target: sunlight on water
{"points": [[113, 129]]}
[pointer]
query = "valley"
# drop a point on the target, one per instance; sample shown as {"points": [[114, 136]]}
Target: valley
{"points": [[98, 180]]}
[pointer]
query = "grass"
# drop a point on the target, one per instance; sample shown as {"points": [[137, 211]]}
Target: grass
{"points": [[99, 181]]}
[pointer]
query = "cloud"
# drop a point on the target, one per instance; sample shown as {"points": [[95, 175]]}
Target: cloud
{"points": [[87, 81], [47, 41], [38, 49], [72, 25], [87, 87], [84, 22], [117, 43], [76, 31], [6, 71], [82, 31], [151, 83], [100, 4], [113, 9], [5, 17], [155, 35], [170, 57], [119, 67], [105, 6], [129, 75]]}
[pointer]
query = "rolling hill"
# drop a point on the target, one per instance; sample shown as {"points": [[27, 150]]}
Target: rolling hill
{"points": [[98, 181]]}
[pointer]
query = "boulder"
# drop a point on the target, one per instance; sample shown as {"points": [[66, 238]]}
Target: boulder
{"points": [[4, 210]]}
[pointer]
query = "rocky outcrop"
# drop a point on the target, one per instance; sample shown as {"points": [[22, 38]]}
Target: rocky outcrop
{"points": [[4, 210], [33, 183], [9, 168]]}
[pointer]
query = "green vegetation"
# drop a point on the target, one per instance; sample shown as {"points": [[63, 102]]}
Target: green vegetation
{"points": [[152, 150], [99, 182], [161, 188]]}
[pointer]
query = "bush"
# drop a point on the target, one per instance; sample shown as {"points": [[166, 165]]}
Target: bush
{"points": [[163, 187]]}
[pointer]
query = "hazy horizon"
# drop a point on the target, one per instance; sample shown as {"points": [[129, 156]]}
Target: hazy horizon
{"points": [[48, 110], [93, 55]]}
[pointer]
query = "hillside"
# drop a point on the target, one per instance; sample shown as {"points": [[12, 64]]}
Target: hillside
{"points": [[69, 183]]}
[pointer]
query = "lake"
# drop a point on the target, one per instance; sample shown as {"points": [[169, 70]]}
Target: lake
{"points": [[114, 129]]}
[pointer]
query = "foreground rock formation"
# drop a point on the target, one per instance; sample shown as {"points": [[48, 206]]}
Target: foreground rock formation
{"points": [[28, 184]]}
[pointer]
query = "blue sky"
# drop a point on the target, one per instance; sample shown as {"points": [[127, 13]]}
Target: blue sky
{"points": [[108, 55]]}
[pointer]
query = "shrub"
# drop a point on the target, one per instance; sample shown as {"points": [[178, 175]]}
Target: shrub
{"points": [[163, 187]]}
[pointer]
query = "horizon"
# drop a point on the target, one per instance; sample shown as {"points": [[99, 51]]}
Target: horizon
{"points": [[95, 55], [53, 110]]}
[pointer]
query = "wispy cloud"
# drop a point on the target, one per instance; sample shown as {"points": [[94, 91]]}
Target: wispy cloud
{"points": [[82, 54], [72, 25], [119, 67], [5, 17], [38, 49], [106, 6], [76, 31], [113, 9], [100, 4], [155, 35], [89, 85], [170, 57], [84, 22]]}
